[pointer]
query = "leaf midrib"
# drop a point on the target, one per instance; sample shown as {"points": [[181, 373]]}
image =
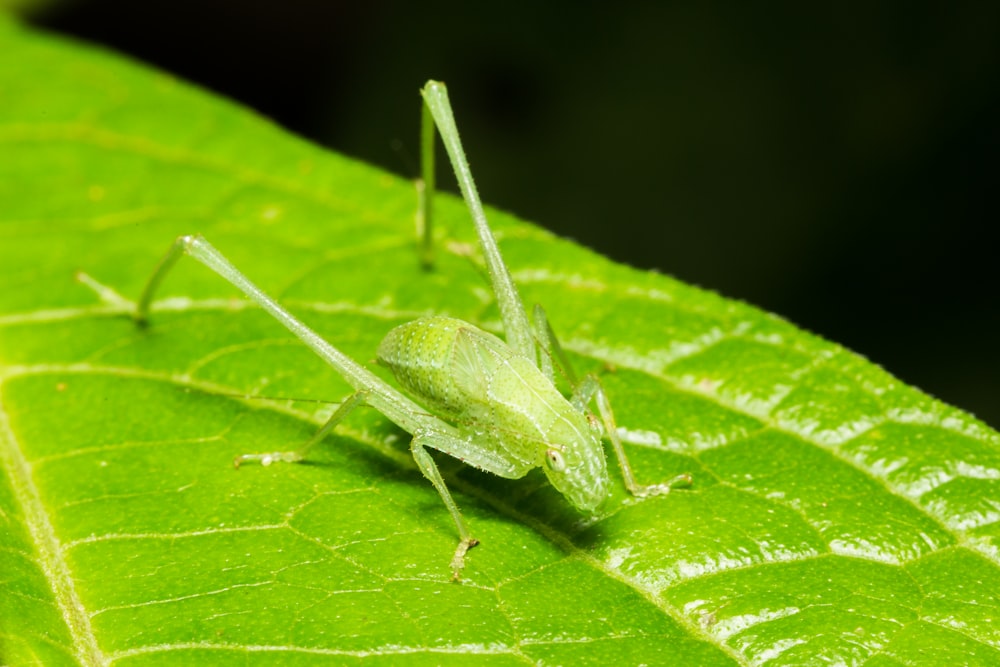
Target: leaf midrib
{"points": [[46, 544], [83, 638]]}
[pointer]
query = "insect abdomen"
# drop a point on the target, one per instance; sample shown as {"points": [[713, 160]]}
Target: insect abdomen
{"points": [[421, 356]]}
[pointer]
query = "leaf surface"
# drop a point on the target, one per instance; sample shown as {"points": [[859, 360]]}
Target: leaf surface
{"points": [[837, 515]]}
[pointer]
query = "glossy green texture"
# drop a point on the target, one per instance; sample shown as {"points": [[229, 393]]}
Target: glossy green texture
{"points": [[836, 515], [501, 403]]}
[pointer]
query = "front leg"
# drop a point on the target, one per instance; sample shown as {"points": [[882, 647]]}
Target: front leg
{"points": [[591, 387], [586, 390]]}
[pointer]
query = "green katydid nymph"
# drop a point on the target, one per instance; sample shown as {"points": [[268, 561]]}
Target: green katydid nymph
{"points": [[493, 404]]}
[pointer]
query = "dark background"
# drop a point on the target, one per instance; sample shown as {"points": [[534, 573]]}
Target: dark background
{"points": [[835, 165]]}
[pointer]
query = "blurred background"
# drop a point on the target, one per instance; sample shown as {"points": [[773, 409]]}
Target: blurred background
{"points": [[835, 165]]}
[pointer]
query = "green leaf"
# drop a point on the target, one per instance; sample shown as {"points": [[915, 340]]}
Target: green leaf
{"points": [[837, 516]]}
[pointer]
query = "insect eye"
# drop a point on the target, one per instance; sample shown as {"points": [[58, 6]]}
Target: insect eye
{"points": [[555, 460]]}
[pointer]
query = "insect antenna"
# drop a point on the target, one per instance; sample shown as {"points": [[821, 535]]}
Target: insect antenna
{"points": [[270, 399], [276, 399]]}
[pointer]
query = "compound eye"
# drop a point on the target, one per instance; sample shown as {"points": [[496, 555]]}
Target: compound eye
{"points": [[554, 459]]}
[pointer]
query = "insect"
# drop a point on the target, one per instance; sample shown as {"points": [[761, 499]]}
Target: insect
{"points": [[495, 403]]}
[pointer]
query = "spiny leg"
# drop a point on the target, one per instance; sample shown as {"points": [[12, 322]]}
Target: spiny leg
{"points": [[369, 387], [398, 408], [461, 448], [430, 470], [439, 113], [423, 460], [591, 388], [266, 459]]}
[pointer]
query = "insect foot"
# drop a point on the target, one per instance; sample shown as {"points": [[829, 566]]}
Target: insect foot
{"points": [[458, 560], [680, 482], [267, 458]]}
